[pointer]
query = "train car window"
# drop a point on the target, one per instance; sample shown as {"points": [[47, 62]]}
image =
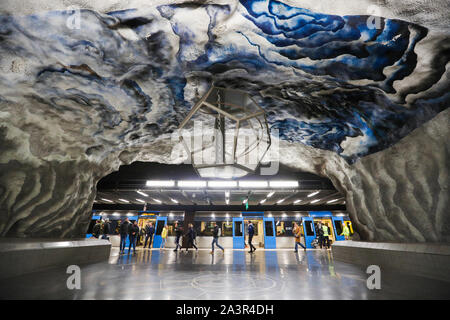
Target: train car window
{"points": [[269, 228], [338, 226], [227, 229], [159, 227], [238, 228], [309, 228]]}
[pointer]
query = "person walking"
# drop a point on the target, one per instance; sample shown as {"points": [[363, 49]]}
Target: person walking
{"points": [[298, 236], [345, 231], [163, 237], [149, 231], [251, 233], [178, 233], [132, 235], [123, 230], [326, 238], [216, 234], [191, 237], [96, 229]]}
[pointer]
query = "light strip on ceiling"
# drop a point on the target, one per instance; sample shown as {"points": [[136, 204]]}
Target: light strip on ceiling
{"points": [[312, 194], [107, 200], [140, 200], [283, 184], [173, 200], [124, 200], [191, 184], [297, 201], [160, 183], [262, 201], [280, 201], [222, 184], [331, 201], [314, 201], [270, 194], [142, 193], [156, 200], [253, 184]]}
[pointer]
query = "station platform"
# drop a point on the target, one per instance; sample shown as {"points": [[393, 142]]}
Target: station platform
{"points": [[234, 274]]}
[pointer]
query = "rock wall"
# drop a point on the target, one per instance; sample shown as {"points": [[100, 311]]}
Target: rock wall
{"points": [[367, 108]]}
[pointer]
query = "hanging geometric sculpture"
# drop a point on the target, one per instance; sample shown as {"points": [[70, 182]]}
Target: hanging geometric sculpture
{"points": [[226, 134]]}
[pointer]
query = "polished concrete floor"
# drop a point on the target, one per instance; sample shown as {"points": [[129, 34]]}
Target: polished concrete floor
{"points": [[235, 274]]}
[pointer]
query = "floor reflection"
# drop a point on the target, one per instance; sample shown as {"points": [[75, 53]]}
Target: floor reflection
{"points": [[234, 274]]}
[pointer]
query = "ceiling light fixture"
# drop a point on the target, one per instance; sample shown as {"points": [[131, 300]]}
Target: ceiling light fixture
{"points": [[253, 184], [314, 201], [124, 200], [107, 200], [280, 201], [312, 194], [142, 193], [156, 200], [173, 200], [262, 201], [283, 184], [160, 183], [297, 201], [140, 200], [270, 194], [191, 184], [222, 184]]}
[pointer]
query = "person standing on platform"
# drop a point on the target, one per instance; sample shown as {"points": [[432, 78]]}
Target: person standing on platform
{"points": [[96, 229], [251, 233], [345, 231], [163, 237], [319, 232], [133, 233], [106, 229], [178, 233], [191, 237], [298, 236], [123, 230], [149, 231], [216, 234], [326, 238]]}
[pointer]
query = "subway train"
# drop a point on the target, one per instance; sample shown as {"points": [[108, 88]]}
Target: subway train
{"points": [[272, 229]]}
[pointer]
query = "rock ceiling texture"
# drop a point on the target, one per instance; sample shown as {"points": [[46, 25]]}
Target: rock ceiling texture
{"points": [[358, 99]]}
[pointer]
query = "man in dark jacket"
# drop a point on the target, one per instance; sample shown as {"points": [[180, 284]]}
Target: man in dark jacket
{"points": [[132, 235], [149, 231], [178, 233], [216, 238], [251, 233], [123, 234], [319, 232], [191, 237], [106, 229], [96, 229]]}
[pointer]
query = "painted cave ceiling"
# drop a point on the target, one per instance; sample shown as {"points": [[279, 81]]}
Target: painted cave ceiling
{"points": [[125, 77]]}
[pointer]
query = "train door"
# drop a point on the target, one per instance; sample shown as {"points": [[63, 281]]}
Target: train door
{"points": [[328, 222], [337, 223], [238, 233], [309, 231], [142, 223], [269, 233], [160, 223]]}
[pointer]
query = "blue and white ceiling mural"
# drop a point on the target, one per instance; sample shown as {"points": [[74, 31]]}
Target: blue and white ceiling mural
{"points": [[331, 82]]}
